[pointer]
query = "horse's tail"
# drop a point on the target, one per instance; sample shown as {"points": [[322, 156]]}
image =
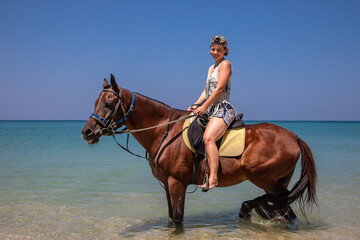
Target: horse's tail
{"points": [[305, 189]]}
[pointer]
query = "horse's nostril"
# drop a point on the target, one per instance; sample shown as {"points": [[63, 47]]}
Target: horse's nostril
{"points": [[88, 132]]}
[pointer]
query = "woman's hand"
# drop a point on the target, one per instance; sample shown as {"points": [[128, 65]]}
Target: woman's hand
{"points": [[200, 110], [193, 107]]}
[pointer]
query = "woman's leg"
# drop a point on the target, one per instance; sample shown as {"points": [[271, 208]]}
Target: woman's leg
{"points": [[213, 132]]}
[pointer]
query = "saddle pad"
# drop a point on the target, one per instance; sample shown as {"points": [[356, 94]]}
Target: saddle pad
{"points": [[232, 143]]}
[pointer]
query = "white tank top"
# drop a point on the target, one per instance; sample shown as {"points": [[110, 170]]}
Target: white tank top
{"points": [[211, 84]]}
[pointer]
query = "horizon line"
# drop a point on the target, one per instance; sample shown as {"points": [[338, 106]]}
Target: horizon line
{"points": [[267, 120]]}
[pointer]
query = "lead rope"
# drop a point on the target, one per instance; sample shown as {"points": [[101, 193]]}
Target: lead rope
{"points": [[125, 130], [127, 147]]}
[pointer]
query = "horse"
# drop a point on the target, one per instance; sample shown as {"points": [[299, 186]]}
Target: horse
{"points": [[268, 161]]}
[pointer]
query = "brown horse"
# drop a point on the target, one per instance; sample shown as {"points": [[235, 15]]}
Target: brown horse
{"points": [[268, 161]]}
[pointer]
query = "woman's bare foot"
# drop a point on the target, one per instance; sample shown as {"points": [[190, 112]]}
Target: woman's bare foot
{"points": [[212, 184]]}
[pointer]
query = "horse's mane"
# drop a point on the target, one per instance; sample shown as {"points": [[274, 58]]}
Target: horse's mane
{"points": [[157, 101], [149, 98], [154, 100]]}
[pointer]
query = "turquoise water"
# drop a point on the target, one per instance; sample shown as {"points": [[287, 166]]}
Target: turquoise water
{"points": [[53, 185]]}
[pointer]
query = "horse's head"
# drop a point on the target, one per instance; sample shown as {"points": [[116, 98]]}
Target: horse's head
{"points": [[109, 112]]}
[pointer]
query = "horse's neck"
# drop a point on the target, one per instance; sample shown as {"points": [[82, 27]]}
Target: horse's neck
{"points": [[148, 113]]}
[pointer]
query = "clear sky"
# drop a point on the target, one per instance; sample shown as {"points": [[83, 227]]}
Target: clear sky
{"points": [[292, 60]]}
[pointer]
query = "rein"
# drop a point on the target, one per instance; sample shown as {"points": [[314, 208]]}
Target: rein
{"points": [[149, 128]]}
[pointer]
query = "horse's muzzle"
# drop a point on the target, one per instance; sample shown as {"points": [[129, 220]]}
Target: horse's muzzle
{"points": [[90, 135]]}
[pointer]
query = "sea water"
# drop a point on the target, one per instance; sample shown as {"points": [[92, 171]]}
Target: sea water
{"points": [[53, 185]]}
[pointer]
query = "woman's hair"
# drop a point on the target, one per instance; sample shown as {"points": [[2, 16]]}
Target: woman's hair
{"points": [[221, 41]]}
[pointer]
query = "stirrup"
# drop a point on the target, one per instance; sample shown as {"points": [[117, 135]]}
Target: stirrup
{"points": [[206, 180]]}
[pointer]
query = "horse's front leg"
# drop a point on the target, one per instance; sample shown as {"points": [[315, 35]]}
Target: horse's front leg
{"points": [[171, 218], [176, 192]]}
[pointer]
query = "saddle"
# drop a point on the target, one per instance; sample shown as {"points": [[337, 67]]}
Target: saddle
{"points": [[230, 145]]}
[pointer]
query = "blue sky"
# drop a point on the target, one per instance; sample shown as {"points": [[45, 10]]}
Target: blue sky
{"points": [[292, 60]]}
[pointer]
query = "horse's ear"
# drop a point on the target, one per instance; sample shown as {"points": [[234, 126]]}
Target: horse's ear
{"points": [[114, 84], [106, 83]]}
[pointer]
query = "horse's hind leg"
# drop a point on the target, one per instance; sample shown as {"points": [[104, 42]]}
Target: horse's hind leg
{"points": [[261, 206], [267, 207], [272, 205], [286, 180], [286, 212], [272, 188]]}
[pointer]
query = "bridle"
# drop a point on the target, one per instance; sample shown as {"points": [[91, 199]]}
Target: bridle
{"points": [[108, 124]]}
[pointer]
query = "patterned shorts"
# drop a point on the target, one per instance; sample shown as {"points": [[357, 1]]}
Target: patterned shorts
{"points": [[223, 110]]}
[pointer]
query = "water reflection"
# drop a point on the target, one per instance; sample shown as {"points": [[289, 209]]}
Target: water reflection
{"points": [[224, 224]]}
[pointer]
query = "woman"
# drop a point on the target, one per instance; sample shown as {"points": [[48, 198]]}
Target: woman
{"points": [[214, 100]]}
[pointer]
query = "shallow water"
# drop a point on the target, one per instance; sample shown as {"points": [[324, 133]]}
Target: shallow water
{"points": [[53, 185]]}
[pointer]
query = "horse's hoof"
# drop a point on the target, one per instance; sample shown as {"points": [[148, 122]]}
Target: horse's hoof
{"points": [[244, 215], [179, 229], [245, 208], [245, 211]]}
